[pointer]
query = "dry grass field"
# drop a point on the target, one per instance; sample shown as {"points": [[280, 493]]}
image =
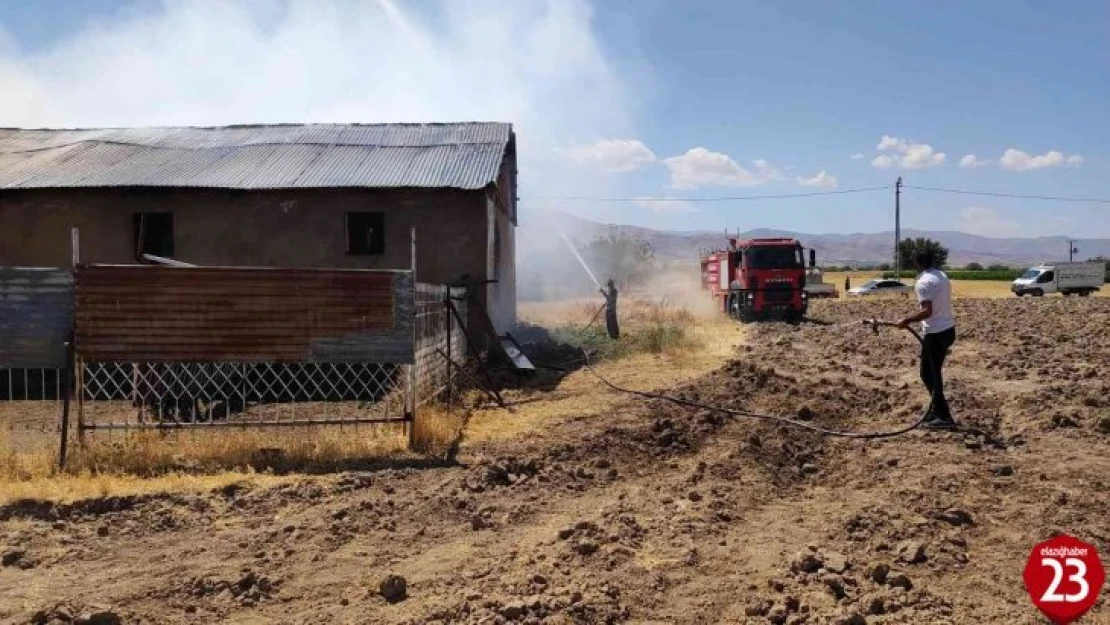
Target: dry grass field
{"points": [[960, 288], [707, 340], [583, 505]]}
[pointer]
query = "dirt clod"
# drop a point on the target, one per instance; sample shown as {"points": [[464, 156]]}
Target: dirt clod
{"points": [[876, 606], [911, 552], [393, 588], [1004, 471], [835, 561], [899, 580], [879, 573], [100, 617], [1104, 424], [12, 557], [806, 562], [514, 610], [586, 546], [955, 516], [758, 607], [852, 618], [835, 585]]}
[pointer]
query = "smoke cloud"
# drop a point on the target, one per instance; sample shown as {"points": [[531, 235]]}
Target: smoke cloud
{"points": [[537, 64]]}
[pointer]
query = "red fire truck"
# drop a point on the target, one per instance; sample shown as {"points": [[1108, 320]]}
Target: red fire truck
{"points": [[758, 278]]}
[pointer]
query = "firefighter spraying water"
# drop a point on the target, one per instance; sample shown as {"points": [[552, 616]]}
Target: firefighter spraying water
{"points": [[609, 292], [610, 295]]}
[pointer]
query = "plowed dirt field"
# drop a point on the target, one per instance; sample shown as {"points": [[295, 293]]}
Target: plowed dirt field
{"points": [[649, 512]]}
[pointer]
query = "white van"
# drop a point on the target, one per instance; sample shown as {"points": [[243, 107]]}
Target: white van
{"points": [[1066, 278]]}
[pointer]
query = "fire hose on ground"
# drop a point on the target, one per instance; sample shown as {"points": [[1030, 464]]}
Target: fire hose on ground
{"points": [[735, 413]]}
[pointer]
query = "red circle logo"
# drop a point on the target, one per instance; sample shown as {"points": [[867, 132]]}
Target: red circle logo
{"points": [[1064, 578]]}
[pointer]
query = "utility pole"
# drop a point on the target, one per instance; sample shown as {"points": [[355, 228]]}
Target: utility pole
{"points": [[897, 228], [1072, 250]]}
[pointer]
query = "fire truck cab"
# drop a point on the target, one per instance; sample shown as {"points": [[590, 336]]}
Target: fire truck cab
{"points": [[758, 278]]}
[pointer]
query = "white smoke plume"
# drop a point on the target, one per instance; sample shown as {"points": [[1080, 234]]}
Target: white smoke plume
{"points": [[536, 64]]}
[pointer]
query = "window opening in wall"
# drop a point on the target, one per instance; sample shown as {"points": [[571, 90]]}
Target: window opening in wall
{"points": [[153, 235], [365, 233]]}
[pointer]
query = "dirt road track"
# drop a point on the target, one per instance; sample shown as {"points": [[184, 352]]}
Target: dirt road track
{"points": [[653, 513]]}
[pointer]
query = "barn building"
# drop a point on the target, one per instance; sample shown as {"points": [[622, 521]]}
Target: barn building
{"points": [[331, 195]]}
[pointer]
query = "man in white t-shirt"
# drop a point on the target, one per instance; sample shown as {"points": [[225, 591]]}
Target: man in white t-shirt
{"points": [[934, 294]]}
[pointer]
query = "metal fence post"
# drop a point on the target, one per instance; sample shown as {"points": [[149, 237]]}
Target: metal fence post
{"points": [[75, 379], [79, 388], [413, 374], [67, 391], [450, 362]]}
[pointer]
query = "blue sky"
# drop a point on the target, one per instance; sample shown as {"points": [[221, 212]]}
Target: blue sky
{"points": [[652, 99]]}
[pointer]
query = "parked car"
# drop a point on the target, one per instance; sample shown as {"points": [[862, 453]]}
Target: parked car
{"points": [[880, 287], [1067, 278]]}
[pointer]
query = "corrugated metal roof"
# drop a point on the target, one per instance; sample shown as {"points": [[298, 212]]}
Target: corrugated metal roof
{"points": [[458, 155]]}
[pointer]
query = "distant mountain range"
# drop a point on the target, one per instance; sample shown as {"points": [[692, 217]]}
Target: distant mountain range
{"points": [[539, 233]]}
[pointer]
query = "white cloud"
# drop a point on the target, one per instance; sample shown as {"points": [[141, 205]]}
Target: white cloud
{"points": [[1018, 160], [538, 65], [613, 155], [822, 180], [766, 170], [701, 167], [906, 153], [970, 161], [665, 205], [857, 156], [888, 142], [884, 160]]}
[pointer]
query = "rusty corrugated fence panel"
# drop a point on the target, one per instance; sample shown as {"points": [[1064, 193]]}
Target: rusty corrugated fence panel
{"points": [[131, 313], [36, 317]]}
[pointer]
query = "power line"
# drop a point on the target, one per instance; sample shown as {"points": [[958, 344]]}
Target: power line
{"points": [[781, 196], [1011, 195], [737, 198]]}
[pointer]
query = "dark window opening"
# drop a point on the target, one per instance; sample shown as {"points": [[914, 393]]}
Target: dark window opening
{"points": [[1047, 276], [153, 235], [365, 233]]}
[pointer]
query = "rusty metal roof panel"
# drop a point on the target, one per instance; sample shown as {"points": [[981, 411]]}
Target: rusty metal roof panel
{"points": [[36, 317], [220, 314]]}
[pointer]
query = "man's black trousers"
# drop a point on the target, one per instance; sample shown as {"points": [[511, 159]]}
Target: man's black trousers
{"points": [[934, 350]]}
